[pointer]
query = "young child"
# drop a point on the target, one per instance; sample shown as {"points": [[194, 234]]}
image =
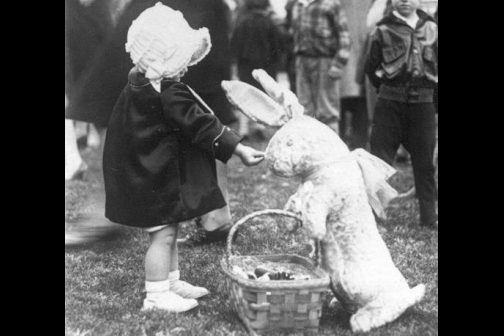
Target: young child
{"points": [[160, 150], [402, 65]]}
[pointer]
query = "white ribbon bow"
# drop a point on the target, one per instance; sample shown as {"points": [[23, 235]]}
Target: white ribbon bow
{"points": [[376, 172]]}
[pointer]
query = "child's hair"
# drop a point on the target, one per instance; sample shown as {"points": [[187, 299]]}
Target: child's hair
{"points": [[256, 4]]}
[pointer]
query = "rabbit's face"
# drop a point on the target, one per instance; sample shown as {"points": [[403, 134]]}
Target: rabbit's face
{"points": [[287, 154], [300, 145]]}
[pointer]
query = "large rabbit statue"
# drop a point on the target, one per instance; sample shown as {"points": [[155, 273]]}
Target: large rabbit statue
{"points": [[336, 199]]}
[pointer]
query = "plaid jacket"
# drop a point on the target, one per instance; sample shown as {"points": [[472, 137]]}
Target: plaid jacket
{"points": [[320, 29]]}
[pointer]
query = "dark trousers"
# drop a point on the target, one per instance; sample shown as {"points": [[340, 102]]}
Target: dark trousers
{"points": [[359, 136], [413, 126]]}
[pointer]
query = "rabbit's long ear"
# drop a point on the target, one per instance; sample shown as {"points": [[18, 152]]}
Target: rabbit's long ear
{"points": [[254, 103], [283, 96]]}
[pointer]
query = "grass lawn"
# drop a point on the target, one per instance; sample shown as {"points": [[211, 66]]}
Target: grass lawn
{"points": [[104, 282]]}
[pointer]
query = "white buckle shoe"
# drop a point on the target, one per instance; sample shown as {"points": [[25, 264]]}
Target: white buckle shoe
{"points": [[169, 301], [187, 290]]}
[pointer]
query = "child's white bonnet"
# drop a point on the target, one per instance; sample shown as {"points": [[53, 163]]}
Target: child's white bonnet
{"points": [[162, 43]]}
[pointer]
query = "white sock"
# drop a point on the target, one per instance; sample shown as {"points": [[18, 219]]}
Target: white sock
{"points": [[155, 288], [173, 277]]}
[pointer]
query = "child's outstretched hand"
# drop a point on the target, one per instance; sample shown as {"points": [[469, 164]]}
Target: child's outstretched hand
{"points": [[248, 155]]}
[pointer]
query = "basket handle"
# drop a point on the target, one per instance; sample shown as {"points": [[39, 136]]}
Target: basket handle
{"points": [[249, 217]]}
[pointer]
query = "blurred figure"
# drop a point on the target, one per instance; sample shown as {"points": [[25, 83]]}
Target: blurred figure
{"points": [[75, 167], [87, 24], [322, 48], [91, 225], [353, 98], [290, 59], [256, 43]]}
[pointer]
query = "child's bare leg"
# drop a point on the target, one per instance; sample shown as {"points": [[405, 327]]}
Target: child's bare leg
{"points": [[178, 286], [161, 264], [174, 265], [158, 260]]}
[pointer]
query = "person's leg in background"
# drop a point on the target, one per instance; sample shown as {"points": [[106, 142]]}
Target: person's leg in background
{"points": [[219, 219], [75, 167], [371, 99], [386, 131], [421, 142], [291, 71], [354, 131], [94, 139], [401, 154], [328, 95], [88, 136], [215, 225], [345, 119], [305, 69], [360, 123]]}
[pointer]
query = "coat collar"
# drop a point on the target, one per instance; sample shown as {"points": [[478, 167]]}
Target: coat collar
{"points": [[138, 79], [391, 18]]}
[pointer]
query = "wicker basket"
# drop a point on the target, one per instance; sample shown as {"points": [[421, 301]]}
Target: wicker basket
{"points": [[273, 305]]}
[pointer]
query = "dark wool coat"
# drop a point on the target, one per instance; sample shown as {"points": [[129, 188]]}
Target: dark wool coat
{"points": [[159, 156], [103, 81]]}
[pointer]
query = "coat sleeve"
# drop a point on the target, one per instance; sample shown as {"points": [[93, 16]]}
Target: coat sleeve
{"points": [[373, 59], [203, 128]]}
